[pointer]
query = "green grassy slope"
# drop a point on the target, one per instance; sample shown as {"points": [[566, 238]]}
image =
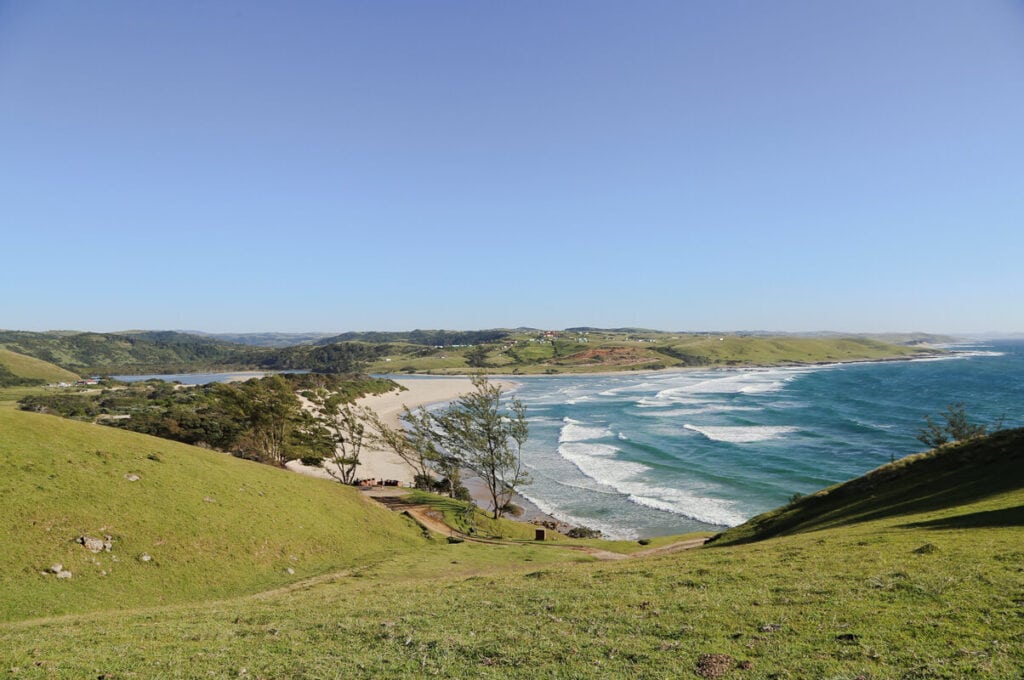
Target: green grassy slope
{"points": [[983, 472], [213, 525], [29, 368], [598, 351], [924, 589]]}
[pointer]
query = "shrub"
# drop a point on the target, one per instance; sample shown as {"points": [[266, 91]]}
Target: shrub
{"points": [[583, 532]]}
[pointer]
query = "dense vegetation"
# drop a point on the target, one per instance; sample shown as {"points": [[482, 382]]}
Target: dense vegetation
{"points": [[259, 419], [430, 338], [171, 352]]}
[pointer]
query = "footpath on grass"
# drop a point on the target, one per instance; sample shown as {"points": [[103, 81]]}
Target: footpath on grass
{"points": [[432, 520]]}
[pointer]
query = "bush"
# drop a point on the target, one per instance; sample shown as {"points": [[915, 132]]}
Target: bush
{"points": [[312, 461], [957, 428], [583, 532], [512, 509]]}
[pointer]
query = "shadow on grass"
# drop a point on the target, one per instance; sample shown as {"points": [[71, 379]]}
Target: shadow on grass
{"points": [[1004, 517], [959, 475]]}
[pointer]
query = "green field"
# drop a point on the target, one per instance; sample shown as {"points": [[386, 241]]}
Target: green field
{"points": [[602, 351], [913, 571]]}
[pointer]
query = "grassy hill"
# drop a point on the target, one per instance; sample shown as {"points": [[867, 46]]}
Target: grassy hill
{"points": [[212, 524], [982, 473], [526, 352], [18, 369], [914, 571]]}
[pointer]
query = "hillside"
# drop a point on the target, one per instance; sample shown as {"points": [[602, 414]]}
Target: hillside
{"points": [[929, 585], [519, 351], [585, 351], [18, 369], [213, 525], [939, 481]]}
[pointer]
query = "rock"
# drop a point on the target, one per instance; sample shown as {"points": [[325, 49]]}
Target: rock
{"points": [[63, 574], [209, 500], [770, 628], [145, 557], [132, 477], [95, 544], [290, 570], [57, 568]]}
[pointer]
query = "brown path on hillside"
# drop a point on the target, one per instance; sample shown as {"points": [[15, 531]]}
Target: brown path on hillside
{"points": [[433, 520]]}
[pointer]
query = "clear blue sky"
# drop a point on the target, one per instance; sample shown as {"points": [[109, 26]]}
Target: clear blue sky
{"points": [[248, 165]]}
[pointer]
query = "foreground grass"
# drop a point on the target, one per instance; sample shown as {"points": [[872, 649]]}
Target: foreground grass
{"points": [[863, 602]]}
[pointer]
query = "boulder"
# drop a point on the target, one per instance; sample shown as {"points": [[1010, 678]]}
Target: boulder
{"points": [[96, 544]]}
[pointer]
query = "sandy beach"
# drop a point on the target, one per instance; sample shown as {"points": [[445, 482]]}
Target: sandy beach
{"points": [[385, 464]]}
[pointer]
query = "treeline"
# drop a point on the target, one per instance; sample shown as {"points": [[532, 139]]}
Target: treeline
{"points": [[433, 338], [260, 419], [172, 352]]}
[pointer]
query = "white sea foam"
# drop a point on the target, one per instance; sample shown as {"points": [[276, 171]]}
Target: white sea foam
{"points": [[622, 437], [614, 391], [598, 462], [701, 508], [698, 410], [608, 530], [576, 431], [742, 434]]}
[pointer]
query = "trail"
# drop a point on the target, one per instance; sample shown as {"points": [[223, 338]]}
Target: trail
{"points": [[432, 520]]}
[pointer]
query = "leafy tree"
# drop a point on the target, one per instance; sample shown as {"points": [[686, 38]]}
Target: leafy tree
{"points": [[956, 428], [487, 438], [418, 447], [337, 431], [271, 412], [477, 356]]}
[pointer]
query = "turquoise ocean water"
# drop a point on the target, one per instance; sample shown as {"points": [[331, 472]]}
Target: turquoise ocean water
{"points": [[657, 453]]}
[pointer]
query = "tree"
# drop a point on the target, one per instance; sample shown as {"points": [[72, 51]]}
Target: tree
{"points": [[417, 446], [477, 356], [270, 411], [487, 438], [956, 428], [338, 430]]}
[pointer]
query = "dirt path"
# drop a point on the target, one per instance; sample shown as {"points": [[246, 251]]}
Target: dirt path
{"points": [[433, 520]]}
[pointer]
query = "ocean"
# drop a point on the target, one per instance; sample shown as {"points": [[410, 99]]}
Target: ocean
{"points": [[647, 454]]}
